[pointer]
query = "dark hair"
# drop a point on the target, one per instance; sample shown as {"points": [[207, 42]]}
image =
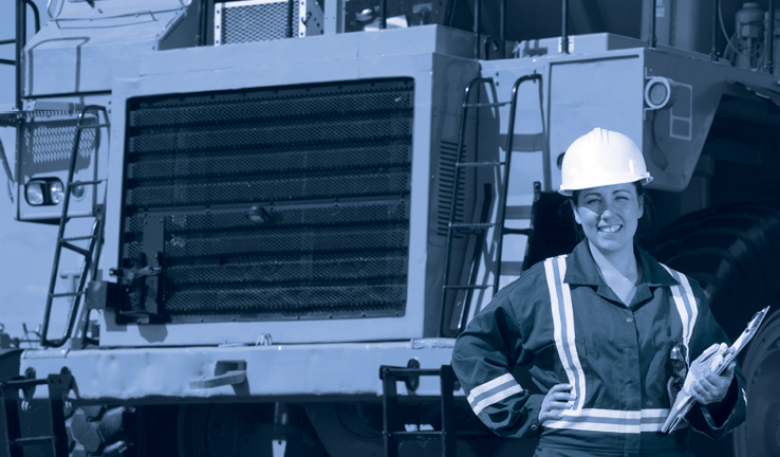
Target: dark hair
{"points": [[644, 228]]}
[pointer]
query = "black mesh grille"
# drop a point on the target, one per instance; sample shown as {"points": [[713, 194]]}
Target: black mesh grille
{"points": [[258, 22], [276, 203], [238, 188]]}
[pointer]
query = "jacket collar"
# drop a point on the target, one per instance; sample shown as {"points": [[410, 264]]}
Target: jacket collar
{"points": [[581, 268]]}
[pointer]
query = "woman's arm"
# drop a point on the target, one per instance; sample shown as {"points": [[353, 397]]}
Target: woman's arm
{"points": [[721, 398], [483, 358]]}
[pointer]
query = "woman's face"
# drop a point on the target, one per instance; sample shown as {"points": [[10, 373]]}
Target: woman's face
{"points": [[609, 215]]}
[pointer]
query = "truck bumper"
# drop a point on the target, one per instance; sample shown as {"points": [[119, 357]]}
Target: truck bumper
{"points": [[307, 372]]}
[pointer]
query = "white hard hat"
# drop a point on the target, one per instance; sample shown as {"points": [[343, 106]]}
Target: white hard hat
{"points": [[602, 158]]}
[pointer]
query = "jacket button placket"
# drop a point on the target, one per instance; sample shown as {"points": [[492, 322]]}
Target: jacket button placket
{"points": [[632, 395]]}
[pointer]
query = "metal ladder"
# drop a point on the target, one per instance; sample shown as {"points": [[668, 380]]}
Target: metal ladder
{"points": [[95, 238], [479, 228], [393, 430], [59, 385]]}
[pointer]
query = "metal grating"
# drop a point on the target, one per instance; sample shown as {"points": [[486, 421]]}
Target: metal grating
{"points": [[53, 141], [328, 166], [257, 22]]}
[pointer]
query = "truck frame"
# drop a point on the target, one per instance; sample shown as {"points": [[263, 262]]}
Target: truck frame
{"points": [[280, 236]]}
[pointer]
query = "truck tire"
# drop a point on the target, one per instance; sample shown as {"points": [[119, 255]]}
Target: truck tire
{"points": [[246, 429], [733, 252], [350, 429]]}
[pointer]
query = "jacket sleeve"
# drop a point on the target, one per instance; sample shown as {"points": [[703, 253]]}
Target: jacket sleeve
{"points": [[716, 419], [483, 358]]}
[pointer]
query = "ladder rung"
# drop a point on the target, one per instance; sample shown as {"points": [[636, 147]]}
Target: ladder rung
{"points": [[74, 248], [96, 126], [22, 383], [511, 268], [469, 287], [479, 164], [482, 226], [404, 372], [485, 105], [420, 435], [520, 212], [33, 440], [513, 231], [85, 183], [79, 238], [68, 294]]}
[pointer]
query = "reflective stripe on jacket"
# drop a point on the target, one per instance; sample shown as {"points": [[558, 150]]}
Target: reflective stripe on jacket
{"points": [[562, 323]]}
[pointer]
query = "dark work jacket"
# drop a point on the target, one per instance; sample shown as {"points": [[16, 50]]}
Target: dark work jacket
{"points": [[578, 332]]}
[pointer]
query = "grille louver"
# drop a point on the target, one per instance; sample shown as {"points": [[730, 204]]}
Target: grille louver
{"points": [[330, 167], [449, 157]]}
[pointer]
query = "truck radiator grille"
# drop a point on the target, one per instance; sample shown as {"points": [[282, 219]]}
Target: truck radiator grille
{"points": [[277, 203]]}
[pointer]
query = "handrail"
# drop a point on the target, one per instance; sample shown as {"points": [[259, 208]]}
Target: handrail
{"points": [[770, 44], [651, 32], [455, 187], [535, 77], [36, 14], [21, 41], [714, 50], [502, 30], [565, 27], [136, 14], [477, 19]]}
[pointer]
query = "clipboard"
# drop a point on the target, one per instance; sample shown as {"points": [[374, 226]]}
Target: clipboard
{"points": [[684, 401]]}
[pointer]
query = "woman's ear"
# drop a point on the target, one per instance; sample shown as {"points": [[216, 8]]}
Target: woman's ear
{"points": [[641, 202], [574, 210]]}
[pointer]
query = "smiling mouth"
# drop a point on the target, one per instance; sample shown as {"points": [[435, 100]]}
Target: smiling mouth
{"points": [[610, 228]]}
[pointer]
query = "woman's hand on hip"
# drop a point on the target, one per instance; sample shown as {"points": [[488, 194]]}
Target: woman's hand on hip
{"points": [[557, 399], [712, 388]]}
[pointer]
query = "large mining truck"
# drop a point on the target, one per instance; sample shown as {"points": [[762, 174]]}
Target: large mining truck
{"points": [[282, 213]]}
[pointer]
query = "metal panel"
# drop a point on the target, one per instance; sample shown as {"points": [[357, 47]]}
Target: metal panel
{"points": [[47, 142], [359, 56], [313, 372], [82, 49], [586, 94]]}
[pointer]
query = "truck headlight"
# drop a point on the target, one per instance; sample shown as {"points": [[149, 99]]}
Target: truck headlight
{"points": [[56, 191], [34, 192], [44, 191]]}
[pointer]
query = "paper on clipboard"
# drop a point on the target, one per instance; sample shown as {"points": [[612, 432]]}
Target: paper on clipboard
{"points": [[718, 361]]}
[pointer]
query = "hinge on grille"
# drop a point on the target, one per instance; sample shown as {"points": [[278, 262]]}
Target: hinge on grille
{"points": [[142, 292], [144, 281]]}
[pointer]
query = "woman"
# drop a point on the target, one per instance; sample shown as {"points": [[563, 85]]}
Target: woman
{"points": [[595, 329]]}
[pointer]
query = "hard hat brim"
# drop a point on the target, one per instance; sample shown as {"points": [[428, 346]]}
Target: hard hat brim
{"points": [[569, 190]]}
